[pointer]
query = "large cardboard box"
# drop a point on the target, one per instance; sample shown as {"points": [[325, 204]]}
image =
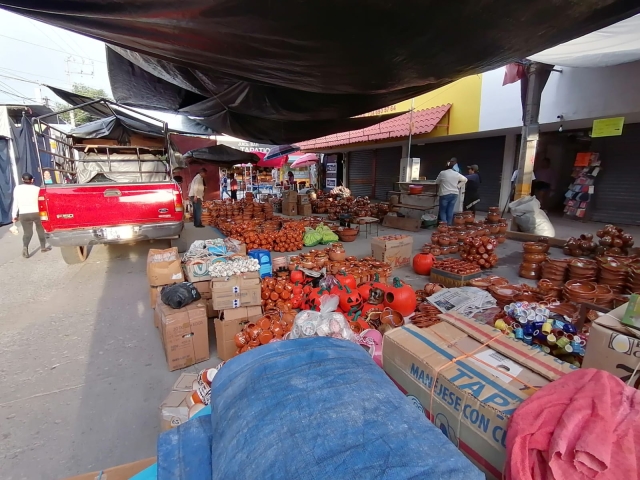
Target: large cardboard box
{"points": [[304, 210], [174, 410], [121, 472], [229, 324], [459, 384], [290, 196], [289, 209], [303, 199], [613, 347], [164, 267], [396, 252], [184, 333], [242, 290], [204, 288]]}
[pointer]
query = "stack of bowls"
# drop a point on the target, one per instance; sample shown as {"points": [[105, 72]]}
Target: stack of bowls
{"points": [[583, 270], [603, 296], [633, 280], [613, 274], [535, 253], [555, 271], [578, 291]]}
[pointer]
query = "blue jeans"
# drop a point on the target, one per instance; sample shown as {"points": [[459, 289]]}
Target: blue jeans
{"points": [[224, 190], [447, 205], [197, 211]]}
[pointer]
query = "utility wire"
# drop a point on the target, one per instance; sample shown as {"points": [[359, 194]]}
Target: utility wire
{"points": [[52, 49], [20, 96], [32, 74]]}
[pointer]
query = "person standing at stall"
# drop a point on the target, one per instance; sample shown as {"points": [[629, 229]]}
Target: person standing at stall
{"points": [[292, 182], [449, 182], [224, 184], [471, 191], [196, 195], [234, 187]]}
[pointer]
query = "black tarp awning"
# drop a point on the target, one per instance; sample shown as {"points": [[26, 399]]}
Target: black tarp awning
{"points": [[221, 155], [286, 62]]}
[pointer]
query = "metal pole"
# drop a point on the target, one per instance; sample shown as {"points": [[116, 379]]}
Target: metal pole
{"points": [[410, 129]]}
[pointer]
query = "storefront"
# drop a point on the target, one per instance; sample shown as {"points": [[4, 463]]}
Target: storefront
{"points": [[372, 173]]}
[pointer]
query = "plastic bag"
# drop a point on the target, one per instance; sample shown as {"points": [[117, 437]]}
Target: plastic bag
{"points": [[325, 323], [311, 238], [530, 217], [179, 295], [327, 236]]}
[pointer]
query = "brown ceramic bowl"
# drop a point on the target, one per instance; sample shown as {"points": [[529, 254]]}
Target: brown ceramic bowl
{"points": [[531, 266], [529, 274], [580, 287], [482, 283], [535, 247], [534, 257]]}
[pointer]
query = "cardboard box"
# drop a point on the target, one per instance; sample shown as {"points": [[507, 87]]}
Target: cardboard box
{"points": [[204, 289], [164, 267], [303, 199], [184, 333], [290, 209], [289, 196], [121, 472], [395, 252], [198, 272], [472, 400], [174, 410], [614, 348], [229, 324], [304, 210], [242, 290]]}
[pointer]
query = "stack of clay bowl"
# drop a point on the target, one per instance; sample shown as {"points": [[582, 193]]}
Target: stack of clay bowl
{"points": [[633, 280], [555, 271], [484, 283], [549, 289], [579, 291], [613, 273], [504, 294], [535, 253], [583, 270]]}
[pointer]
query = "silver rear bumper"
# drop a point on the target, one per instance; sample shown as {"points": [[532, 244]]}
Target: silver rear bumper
{"points": [[83, 237]]}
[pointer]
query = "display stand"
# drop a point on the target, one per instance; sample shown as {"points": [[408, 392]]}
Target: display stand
{"points": [[578, 203]]}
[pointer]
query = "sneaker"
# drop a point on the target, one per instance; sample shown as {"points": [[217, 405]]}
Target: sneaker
{"points": [[25, 252], [45, 249]]}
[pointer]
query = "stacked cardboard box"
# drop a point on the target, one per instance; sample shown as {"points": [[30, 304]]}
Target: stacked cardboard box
{"points": [[290, 203], [304, 210], [174, 410], [396, 252], [229, 324], [184, 333], [163, 268], [468, 390], [241, 290]]}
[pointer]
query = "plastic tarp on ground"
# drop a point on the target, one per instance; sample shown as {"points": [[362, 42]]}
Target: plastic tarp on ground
{"points": [[123, 168], [314, 408], [238, 62], [613, 45]]}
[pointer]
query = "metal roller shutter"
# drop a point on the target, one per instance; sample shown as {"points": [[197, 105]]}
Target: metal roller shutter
{"points": [[360, 173], [487, 153], [617, 195], [387, 169]]}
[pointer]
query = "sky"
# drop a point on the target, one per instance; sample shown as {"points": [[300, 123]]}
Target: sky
{"points": [[33, 53]]}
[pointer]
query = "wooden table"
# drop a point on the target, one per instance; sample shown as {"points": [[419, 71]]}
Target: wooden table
{"points": [[367, 222]]}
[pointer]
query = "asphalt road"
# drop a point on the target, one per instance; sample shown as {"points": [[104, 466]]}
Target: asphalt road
{"points": [[82, 370]]}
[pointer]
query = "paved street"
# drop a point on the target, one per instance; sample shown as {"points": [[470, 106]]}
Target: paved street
{"points": [[82, 371]]}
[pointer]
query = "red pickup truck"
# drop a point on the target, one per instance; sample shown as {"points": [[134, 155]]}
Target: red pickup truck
{"points": [[103, 194]]}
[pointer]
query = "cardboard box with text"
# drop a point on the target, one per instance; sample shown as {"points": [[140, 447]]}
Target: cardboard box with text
{"points": [[242, 290], [290, 209], [184, 333], [290, 196], [395, 252], [164, 267]]}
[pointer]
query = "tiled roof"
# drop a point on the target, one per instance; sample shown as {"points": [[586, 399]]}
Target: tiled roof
{"points": [[424, 121]]}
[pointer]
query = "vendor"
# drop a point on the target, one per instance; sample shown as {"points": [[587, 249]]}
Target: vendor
{"points": [[471, 192]]}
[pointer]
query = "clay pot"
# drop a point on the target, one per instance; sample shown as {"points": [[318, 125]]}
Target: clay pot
{"points": [[535, 247], [241, 339], [337, 252], [458, 219], [534, 257], [391, 317]]}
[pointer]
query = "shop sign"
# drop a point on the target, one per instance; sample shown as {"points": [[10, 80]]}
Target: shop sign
{"points": [[332, 168], [607, 127], [331, 182]]}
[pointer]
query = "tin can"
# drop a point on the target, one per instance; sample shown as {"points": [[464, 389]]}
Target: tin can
{"points": [[518, 332]]}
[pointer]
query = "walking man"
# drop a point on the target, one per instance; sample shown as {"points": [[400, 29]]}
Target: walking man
{"points": [[25, 209], [224, 188], [234, 187], [196, 195]]}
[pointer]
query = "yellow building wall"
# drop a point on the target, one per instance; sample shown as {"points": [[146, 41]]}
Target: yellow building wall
{"points": [[463, 95]]}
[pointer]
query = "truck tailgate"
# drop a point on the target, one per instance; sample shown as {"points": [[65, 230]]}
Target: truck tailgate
{"points": [[103, 205]]}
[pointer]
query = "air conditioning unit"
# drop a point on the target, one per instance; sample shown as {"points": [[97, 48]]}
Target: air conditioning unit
{"points": [[409, 169]]}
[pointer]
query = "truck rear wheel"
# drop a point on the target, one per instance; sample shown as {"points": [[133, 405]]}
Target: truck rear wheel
{"points": [[74, 255]]}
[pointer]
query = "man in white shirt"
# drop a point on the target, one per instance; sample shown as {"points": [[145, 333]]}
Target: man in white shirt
{"points": [[196, 195], [449, 182], [25, 209]]}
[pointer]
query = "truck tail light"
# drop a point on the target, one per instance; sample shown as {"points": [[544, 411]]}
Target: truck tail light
{"points": [[177, 200], [42, 206]]}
